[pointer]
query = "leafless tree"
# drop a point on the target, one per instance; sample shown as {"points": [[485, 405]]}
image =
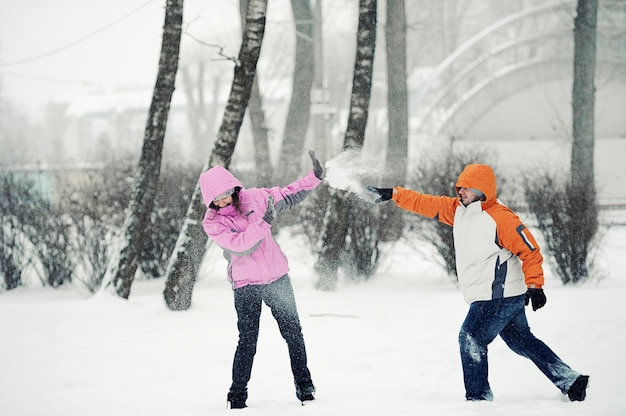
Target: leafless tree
{"points": [[257, 121], [343, 216], [583, 192], [583, 94], [202, 117], [122, 274], [397, 93], [185, 260], [567, 214], [567, 211], [397, 113], [300, 105]]}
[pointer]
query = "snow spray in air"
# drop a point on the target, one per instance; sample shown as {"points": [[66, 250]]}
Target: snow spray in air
{"points": [[352, 171]]}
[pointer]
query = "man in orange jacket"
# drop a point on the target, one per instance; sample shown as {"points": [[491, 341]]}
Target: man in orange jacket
{"points": [[499, 266]]}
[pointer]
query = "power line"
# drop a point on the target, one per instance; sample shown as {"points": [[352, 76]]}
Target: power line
{"points": [[76, 42]]}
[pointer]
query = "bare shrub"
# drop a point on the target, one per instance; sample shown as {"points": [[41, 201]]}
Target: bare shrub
{"points": [[21, 205], [69, 232], [12, 260], [49, 231], [95, 201], [361, 252], [93, 239], [176, 184], [567, 217]]}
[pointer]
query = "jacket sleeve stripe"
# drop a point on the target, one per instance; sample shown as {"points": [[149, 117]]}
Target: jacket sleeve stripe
{"points": [[521, 231]]}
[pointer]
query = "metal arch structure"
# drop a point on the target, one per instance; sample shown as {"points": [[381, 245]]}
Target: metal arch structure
{"points": [[528, 48]]}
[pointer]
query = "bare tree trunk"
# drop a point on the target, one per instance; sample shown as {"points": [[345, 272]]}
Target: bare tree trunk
{"points": [[300, 105], [321, 97], [202, 118], [362, 80], [146, 180], [342, 212], [193, 105], [391, 224], [397, 95], [582, 193], [257, 121], [583, 93], [185, 261], [196, 113]]}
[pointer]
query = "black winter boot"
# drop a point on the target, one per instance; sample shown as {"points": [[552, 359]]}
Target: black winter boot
{"points": [[578, 391], [237, 400], [305, 391]]}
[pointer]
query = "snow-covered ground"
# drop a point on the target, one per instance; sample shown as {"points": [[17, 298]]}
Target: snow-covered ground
{"points": [[387, 347]]}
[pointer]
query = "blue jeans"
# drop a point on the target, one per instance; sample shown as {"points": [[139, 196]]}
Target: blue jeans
{"points": [[505, 317], [279, 297]]}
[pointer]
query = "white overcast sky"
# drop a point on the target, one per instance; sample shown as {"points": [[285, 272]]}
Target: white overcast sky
{"points": [[51, 50]]}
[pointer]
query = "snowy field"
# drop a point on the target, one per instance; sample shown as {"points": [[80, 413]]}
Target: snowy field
{"points": [[387, 347]]}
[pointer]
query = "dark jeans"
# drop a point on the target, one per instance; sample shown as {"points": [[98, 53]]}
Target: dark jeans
{"points": [[279, 297], [505, 317]]}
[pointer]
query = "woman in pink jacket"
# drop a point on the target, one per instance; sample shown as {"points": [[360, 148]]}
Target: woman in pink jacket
{"points": [[239, 221]]}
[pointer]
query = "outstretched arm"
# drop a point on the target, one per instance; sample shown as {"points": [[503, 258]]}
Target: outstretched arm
{"points": [[291, 195]]}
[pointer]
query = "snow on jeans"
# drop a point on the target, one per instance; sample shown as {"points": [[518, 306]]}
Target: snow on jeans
{"points": [[505, 317], [279, 297]]}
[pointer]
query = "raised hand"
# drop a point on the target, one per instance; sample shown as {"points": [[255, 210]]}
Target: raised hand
{"points": [[318, 169], [270, 212]]}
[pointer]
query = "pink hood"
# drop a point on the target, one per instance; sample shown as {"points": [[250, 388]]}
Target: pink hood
{"points": [[216, 181]]}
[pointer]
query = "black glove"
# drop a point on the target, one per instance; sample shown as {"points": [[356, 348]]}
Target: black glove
{"points": [[536, 297], [317, 166], [270, 212], [383, 194]]}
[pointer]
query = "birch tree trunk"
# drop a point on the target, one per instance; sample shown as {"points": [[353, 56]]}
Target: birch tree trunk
{"points": [[343, 217], [185, 261], [257, 122], [121, 275]]}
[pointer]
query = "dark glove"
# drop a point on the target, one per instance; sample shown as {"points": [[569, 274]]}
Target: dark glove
{"points": [[317, 166], [383, 194], [270, 212], [536, 297]]}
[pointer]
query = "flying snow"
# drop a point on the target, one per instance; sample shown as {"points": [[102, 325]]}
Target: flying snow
{"points": [[352, 171]]}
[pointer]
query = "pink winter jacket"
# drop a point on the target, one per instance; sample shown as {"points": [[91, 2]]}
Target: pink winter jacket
{"points": [[254, 257]]}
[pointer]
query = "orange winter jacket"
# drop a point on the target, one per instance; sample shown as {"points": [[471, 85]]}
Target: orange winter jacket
{"points": [[496, 255]]}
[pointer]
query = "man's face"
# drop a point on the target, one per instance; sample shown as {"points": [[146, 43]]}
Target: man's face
{"points": [[467, 196]]}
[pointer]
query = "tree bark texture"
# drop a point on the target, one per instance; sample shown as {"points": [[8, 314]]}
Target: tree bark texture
{"points": [[397, 95], [391, 224], [202, 117], [338, 219], [300, 105], [583, 92], [362, 79], [257, 122], [582, 206], [185, 262], [147, 177]]}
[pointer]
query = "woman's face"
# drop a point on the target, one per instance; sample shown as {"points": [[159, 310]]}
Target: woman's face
{"points": [[221, 203]]}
